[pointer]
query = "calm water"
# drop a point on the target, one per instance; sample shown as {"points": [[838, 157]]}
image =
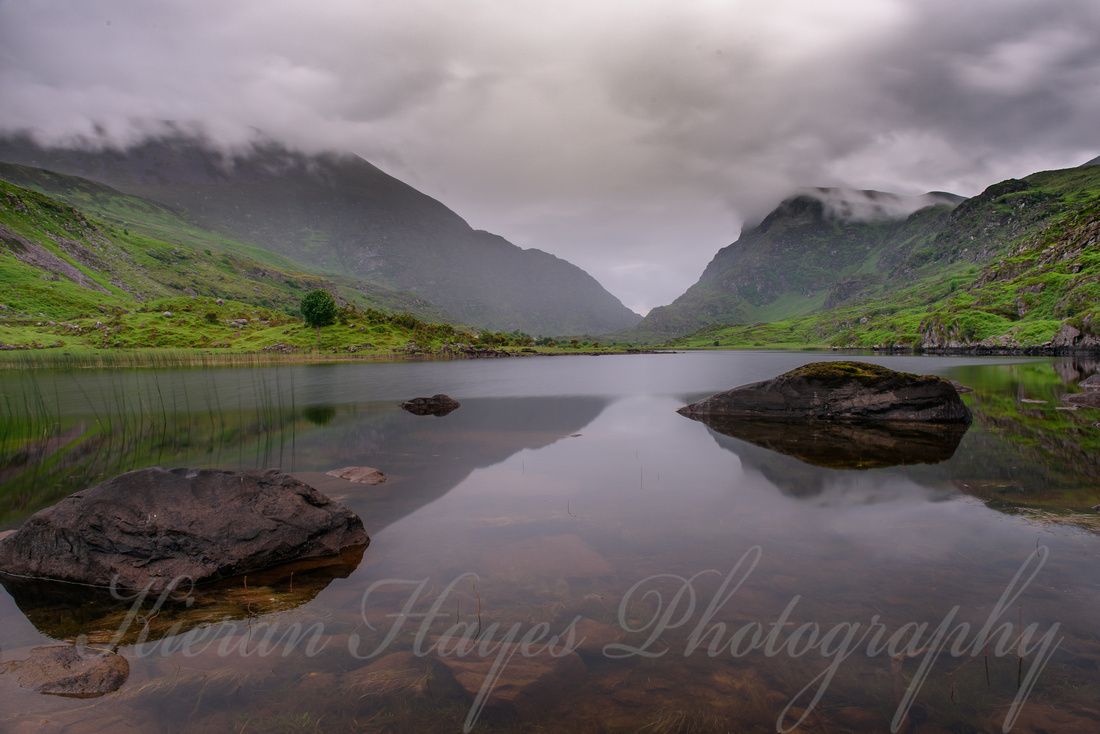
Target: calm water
{"points": [[686, 580]]}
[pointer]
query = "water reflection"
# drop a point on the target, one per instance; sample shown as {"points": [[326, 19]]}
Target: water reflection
{"points": [[71, 612], [541, 509], [846, 445]]}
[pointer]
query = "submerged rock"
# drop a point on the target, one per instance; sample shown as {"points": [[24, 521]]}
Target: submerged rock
{"points": [[404, 676], [156, 528], [437, 405], [529, 685], [846, 391], [65, 670]]}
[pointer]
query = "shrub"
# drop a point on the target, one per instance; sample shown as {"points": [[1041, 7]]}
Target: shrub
{"points": [[318, 308]]}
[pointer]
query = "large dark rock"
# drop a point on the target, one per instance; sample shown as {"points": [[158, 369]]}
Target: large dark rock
{"points": [[437, 405], [155, 528], [846, 391], [64, 670]]}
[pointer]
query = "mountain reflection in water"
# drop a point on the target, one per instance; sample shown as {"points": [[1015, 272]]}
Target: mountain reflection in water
{"points": [[570, 491]]}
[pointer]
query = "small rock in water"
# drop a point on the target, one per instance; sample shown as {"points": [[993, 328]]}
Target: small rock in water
{"points": [[65, 670], [438, 405], [359, 474]]}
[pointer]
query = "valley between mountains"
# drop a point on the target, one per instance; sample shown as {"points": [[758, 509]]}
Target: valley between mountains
{"points": [[173, 244]]}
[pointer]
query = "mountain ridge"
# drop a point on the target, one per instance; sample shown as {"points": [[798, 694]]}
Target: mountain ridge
{"points": [[1013, 268], [341, 214]]}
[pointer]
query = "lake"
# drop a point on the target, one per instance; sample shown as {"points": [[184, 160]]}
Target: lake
{"points": [[567, 553]]}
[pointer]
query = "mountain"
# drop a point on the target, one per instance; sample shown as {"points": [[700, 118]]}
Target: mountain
{"points": [[338, 214], [1016, 267], [818, 248]]}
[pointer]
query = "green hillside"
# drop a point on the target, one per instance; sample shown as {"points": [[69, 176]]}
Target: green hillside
{"points": [[101, 292], [806, 255], [341, 216], [78, 283], [1006, 270]]}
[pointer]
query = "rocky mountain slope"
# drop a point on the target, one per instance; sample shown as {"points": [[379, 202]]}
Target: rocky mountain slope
{"points": [[339, 214], [815, 250], [1016, 267]]}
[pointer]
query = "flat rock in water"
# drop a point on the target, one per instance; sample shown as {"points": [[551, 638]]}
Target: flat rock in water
{"points": [[359, 474], [1091, 383], [438, 405], [850, 391], [158, 528], [64, 670]]}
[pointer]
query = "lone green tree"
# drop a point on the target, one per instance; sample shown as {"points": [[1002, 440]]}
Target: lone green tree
{"points": [[318, 309]]}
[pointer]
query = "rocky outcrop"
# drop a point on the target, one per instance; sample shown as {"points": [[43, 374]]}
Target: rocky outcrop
{"points": [[1070, 338], [155, 528], [845, 391], [65, 670], [437, 405]]}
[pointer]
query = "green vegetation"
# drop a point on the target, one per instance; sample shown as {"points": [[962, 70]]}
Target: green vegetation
{"points": [[330, 215], [319, 308], [1005, 270], [81, 291]]}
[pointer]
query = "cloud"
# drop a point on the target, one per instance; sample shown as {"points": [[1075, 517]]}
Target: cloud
{"points": [[634, 132]]}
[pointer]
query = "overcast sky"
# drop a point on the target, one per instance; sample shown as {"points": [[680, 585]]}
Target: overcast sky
{"points": [[630, 137]]}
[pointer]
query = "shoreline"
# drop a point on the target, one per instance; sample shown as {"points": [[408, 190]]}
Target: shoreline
{"points": [[46, 357]]}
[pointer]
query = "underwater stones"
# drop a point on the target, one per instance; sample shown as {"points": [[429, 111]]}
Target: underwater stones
{"points": [[157, 528], [403, 675], [528, 685], [594, 636], [847, 391], [438, 405], [359, 474], [65, 670]]}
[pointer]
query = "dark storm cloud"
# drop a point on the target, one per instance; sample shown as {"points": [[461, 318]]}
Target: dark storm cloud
{"points": [[629, 137]]}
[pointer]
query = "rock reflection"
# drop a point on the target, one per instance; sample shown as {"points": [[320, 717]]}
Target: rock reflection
{"points": [[71, 612], [846, 445]]}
